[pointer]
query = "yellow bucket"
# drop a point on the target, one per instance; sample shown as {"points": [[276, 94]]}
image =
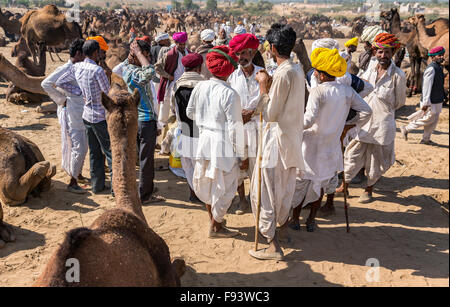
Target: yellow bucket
{"points": [[174, 162]]}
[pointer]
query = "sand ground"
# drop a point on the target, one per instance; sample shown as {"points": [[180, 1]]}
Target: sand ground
{"points": [[406, 229]]}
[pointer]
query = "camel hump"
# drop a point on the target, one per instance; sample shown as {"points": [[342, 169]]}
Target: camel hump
{"points": [[24, 20]]}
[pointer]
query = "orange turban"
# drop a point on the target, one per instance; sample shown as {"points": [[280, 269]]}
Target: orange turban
{"points": [[386, 40], [101, 41]]}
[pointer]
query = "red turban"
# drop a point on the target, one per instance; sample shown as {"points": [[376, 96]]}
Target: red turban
{"points": [[192, 60], [221, 61], [145, 39], [244, 41], [386, 40]]}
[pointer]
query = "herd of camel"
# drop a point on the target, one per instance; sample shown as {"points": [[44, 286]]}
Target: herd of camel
{"points": [[121, 238]]}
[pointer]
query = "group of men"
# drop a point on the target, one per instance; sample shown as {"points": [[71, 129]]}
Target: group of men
{"points": [[218, 95]]}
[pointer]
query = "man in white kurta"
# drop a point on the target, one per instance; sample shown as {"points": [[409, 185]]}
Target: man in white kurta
{"points": [[243, 81], [216, 109], [282, 107], [325, 117], [433, 96], [70, 111], [373, 147]]}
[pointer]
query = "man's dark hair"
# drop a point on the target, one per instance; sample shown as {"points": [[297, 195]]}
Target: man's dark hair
{"points": [[283, 38], [90, 46], [326, 74], [92, 33], [75, 46], [145, 47], [191, 68]]}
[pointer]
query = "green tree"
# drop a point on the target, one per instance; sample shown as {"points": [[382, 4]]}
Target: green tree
{"points": [[211, 5], [240, 3]]}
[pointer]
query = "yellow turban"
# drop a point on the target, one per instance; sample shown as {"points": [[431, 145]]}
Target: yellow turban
{"points": [[352, 42], [329, 61], [101, 41], [266, 45]]}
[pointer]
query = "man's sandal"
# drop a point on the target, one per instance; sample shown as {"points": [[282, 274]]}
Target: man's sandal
{"points": [[262, 254]]}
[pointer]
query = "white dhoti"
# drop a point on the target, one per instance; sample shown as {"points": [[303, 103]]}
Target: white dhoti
{"points": [[215, 187], [74, 142], [376, 159], [251, 147], [309, 191], [428, 121]]}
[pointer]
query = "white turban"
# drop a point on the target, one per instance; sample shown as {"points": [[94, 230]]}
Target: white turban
{"points": [[369, 33], [239, 30], [207, 35], [162, 36], [227, 23], [328, 43]]}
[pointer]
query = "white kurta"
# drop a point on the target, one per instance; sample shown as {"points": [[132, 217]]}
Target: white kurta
{"points": [[429, 119], [216, 109], [73, 134], [373, 147], [283, 111], [325, 117], [248, 90]]}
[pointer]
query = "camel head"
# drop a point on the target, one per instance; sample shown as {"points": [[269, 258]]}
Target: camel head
{"points": [[122, 115]]}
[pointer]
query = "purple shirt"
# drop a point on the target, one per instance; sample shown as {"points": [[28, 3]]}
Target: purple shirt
{"points": [[92, 81]]}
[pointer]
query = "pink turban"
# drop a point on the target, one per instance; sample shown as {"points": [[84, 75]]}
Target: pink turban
{"points": [[436, 51], [180, 37], [244, 41], [221, 61]]}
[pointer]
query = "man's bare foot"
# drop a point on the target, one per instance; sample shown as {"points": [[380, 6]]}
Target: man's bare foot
{"points": [[222, 232], [341, 189]]}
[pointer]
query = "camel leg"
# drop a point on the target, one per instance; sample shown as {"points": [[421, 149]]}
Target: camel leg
{"points": [[50, 54], [6, 232], [29, 181], [412, 76], [61, 60], [417, 75]]}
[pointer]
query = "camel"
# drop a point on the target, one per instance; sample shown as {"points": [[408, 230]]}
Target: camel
{"points": [[416, 52], [46, 25], [11, 27], [428, 41], [24, 172], [119, 248]]}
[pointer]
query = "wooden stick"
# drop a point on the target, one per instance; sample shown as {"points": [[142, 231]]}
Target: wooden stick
{"points": [[345, 194], [260, 154]]}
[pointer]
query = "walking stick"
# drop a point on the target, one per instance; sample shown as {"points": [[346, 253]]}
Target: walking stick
{"points": [[345, 190], [258, 206]]}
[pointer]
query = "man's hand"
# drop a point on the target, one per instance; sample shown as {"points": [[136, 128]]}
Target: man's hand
{"points": [[244, 165], [171, 78], [425, 108], [135, 49], [247, 115]]}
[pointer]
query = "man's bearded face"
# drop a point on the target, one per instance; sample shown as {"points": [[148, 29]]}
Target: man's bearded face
{"points": [[439, 58], [245, 57], [384, 56]]}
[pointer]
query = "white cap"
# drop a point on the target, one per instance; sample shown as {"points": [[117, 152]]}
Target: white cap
{"points": [[207, 35], [328, 43], [161, 36]]}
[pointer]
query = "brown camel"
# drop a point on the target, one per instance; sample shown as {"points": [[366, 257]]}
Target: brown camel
{"points": [[410, 40], [47, 25], [11, 27], [27, 83], [24, 171], [428, 41], [119, 249]]}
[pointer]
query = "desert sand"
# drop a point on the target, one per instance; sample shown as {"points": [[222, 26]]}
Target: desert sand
{"points": [[406, 229]]}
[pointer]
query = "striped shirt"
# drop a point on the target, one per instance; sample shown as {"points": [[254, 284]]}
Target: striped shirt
{"points": [[139, 78], [92, 81]]}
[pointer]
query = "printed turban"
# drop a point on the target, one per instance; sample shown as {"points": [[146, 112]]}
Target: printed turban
{"points": [[369, 33], [244, 41], [328, 43], [145, 39], [386, 40], [192, 60], [180, 37], [101, 41], [352, 42], [436, 51], [221, 61], [329, 61], [207, 35], [162, 36]]}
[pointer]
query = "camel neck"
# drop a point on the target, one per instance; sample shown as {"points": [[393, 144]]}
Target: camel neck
{"points": [[395, 24], [124, 157]]}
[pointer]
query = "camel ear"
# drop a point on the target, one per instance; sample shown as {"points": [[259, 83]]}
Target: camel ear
{"points": [[107, 102], [136, 97]]}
